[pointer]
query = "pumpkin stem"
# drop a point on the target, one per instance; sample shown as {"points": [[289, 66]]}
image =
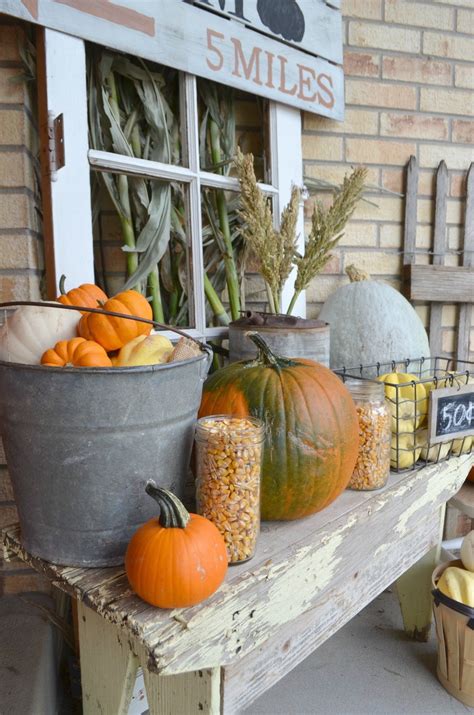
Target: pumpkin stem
{"points": [[172, 512], [356, 274], [265, 355], [62, 281]]}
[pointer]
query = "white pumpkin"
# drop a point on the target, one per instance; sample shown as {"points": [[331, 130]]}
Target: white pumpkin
{"points": [[467, 551], [462, 446], [436, 452], [371, 322], [405, 450], [31, 330]]}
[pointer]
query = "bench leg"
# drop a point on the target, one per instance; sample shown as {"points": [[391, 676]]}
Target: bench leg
{"points": [[108, 665], [414, 591], [186, 694]]}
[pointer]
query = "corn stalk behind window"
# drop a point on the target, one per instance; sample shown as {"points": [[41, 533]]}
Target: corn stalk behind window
{"points": [[133, 110]]}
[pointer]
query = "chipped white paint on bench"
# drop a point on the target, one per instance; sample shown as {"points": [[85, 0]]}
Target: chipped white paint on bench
{"points": [[307, 579]]}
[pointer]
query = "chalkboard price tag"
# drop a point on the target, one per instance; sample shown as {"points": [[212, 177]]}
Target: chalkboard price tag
{"points": [[451, 413]]}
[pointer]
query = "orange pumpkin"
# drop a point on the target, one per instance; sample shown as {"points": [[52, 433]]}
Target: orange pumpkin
{"points": [[312, 430], [113, 333], [76, 352], [177, 560], [87, 295]]}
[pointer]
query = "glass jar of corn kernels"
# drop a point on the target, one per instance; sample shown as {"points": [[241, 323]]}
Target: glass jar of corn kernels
{"points": [[373, 463], [228, 464]]}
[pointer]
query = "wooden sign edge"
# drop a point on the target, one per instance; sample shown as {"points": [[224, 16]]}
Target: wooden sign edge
{"points": [[61, 16]]}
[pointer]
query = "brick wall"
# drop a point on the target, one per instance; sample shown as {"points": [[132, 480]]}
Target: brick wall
{"points": [[409, 69], [21, 249]]}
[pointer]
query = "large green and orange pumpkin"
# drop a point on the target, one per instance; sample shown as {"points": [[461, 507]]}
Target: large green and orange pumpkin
{"points": [[312, 431]]}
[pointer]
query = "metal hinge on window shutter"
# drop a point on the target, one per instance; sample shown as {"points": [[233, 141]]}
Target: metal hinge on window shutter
{"points": [[55, 144]]}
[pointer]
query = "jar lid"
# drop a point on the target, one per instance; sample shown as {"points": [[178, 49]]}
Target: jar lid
{"points": [[365, 389]]}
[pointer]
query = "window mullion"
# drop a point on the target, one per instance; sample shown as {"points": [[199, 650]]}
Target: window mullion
{"points": [[229, 183], [130, 165], [190, 141], [66, 192], [287, 169]]}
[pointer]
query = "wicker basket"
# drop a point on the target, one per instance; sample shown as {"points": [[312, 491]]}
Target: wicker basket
{"points": [[455, 632]]}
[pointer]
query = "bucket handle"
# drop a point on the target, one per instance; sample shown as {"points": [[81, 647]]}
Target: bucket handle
{"points": [[205, 348]]}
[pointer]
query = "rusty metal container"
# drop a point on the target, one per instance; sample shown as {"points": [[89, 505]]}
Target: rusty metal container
{"points": [[286, 335]]}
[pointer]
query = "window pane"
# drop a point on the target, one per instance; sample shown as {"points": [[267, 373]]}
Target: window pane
{"points": [[133, 106], [227, 294], [227, 119], [150, 216]]}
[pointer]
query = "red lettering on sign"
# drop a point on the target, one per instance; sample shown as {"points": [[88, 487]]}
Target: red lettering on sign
{"points": [[305, 82], [211, 35], [270, 58], [327, 90], [283, 88], [247, 67], [253, 63]]}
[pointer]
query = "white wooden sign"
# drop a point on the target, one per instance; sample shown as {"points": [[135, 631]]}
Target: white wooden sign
{"points": [[284, 50]]}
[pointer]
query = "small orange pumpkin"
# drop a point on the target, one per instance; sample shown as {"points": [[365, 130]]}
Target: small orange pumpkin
{"points": [[177, 560], [87, 295], [76, 352], [113, 333]]}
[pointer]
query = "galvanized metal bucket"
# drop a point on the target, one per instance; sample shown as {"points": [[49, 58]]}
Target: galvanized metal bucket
{"points": [[81, 444]]}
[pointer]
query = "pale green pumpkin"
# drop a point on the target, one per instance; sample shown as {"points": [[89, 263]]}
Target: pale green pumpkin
{"points": [[372, 322]]}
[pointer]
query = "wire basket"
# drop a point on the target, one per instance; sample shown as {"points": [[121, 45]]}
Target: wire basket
{"points": [[409, 403]]}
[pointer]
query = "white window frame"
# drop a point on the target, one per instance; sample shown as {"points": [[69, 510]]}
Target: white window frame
{"points": [[70, 197]]}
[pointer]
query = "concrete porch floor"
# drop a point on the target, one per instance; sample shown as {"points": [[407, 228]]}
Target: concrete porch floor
{"points": [[369, 667]]}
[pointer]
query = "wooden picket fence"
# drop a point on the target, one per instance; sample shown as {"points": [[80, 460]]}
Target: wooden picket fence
{"points": [[438, 284]]}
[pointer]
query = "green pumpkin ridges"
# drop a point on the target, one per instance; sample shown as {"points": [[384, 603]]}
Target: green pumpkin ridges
{"points": [[274, 486], [304, 492], [309, 486], [318, 490], [339, 411], [273, 471]]}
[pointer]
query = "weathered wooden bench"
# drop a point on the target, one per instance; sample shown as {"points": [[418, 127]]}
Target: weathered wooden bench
{"points": [[308, 578], [463, 501], [459, 515]]}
